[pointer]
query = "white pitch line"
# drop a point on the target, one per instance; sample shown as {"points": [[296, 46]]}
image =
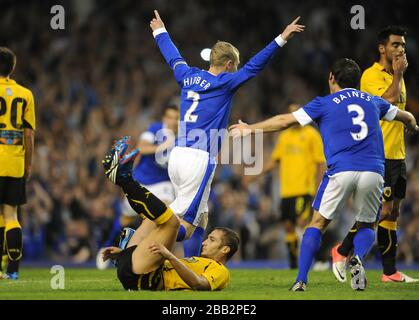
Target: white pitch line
{"points": [[47, 281]]}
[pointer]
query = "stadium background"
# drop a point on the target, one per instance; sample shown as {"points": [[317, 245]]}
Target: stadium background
{"points": [[103, 77]]}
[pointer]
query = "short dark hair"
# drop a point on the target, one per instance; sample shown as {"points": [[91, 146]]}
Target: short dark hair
{"points": [[170, 106], [385, 33], [7, 61], [347, 73], [231, 239]]}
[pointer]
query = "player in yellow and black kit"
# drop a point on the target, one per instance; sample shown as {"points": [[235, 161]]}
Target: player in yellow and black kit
{"points": [[299, 154], [385, 79], [17, 123], [145, 262]]}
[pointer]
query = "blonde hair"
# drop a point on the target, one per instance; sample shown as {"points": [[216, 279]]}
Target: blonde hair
{"points": [[222, 52]]}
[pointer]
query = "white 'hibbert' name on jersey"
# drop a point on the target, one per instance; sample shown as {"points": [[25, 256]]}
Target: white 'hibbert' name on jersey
{"points": [[187, 82], [351, 94]]}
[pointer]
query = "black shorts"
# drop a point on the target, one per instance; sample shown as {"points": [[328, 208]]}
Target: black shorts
{"points": [[395, 178], [12, 191], [293, 207], [131, 281]]}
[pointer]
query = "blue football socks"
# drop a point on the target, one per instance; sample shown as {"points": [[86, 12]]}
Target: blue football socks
{"points": [[309, 247], [363, 242]]}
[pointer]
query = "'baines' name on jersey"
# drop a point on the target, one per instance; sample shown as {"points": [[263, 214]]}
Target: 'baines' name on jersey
{"points": [[196, 80], [350, 94]]}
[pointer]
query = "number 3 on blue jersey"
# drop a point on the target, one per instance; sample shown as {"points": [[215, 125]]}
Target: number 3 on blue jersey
{"points": [[358, 120], [195, 98]]}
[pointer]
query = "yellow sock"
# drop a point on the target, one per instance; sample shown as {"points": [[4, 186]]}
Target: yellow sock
{"points": [[291, 237], [12, 224], [390, 225]]}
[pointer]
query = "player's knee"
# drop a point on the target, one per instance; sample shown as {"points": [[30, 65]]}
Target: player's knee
{"points": [[319, 222], [318, 225], [173, 222], [289, 226], [10, 214], [189, 228], [395, 213], [204, 220], [126, 221], [387, 208]]}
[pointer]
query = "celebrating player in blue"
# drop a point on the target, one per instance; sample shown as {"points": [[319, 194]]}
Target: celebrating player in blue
{"points": [[205, 104], [353, 145]]}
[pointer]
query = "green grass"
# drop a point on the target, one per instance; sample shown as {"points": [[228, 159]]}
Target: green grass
{"points": [[264, 284]]}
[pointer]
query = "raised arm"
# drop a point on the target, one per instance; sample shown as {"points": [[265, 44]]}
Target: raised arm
{"points": [[167, 48], [276, 123], [260, 60]]}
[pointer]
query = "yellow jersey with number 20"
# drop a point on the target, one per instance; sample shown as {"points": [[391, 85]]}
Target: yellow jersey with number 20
{"points": [[17, 112]]}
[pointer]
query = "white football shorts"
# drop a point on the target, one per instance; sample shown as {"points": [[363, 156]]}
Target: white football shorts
{"points": [[366, 188], [191, 172]]}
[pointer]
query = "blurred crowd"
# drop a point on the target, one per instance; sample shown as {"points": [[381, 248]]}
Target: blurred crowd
{"points": [[103, 77]]}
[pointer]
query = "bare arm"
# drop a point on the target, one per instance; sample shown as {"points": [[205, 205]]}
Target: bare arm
{"points": [[393, 92], [277, 123], [29, 146], [270, 165], [408, 119], [111, 253], [147, 147], [195, 281], [247, 179]]}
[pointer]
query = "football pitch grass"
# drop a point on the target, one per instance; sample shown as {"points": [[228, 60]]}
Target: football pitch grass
{"points": [[246, 284]]}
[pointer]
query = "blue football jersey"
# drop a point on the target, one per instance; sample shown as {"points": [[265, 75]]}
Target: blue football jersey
{"points": [[349, 125], [205, 100], [148, 171]]}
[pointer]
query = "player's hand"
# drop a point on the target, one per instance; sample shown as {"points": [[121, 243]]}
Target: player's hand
{"points": [[160, 249], [399, 63], [292, 28], [412, 127], [240, 129], [157, 22], [111, 253]]}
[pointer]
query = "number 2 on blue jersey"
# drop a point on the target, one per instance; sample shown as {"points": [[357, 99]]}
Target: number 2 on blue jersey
{"points": [[188, 115]]}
